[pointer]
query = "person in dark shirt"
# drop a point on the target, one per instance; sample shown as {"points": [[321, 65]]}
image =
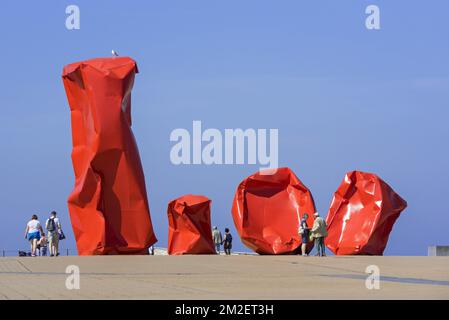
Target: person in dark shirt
{"points": [[304, 231], [227, 241]]}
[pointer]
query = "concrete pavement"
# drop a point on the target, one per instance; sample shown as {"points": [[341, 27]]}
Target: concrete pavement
{"points": [[224, 277]]}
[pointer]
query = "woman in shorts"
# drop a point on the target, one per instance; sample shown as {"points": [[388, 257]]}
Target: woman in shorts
{"points": [[33, 233]]}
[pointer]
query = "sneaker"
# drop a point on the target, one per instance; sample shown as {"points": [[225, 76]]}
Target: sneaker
{"points": [[52, 255], [57, 254]]}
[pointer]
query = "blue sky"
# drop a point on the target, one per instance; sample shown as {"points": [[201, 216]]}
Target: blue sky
{"points": [[343, 98]]}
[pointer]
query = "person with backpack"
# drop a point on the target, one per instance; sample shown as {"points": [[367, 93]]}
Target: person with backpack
{"points": [[33, 233], [53, 231], [217, 238], [304, 232], [227, 241]]}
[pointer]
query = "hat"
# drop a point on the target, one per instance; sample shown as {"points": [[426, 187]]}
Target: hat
{"points": [[316, 214]]}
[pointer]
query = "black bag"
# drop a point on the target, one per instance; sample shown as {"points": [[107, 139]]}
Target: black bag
{"points": [[61, 236], [51, 225]]}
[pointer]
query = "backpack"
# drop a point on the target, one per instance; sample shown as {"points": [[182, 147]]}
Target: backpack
{"points": [[51, 226]]}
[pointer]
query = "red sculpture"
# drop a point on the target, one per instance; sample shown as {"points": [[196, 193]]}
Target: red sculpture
{"points": [[108, 207], [362, 214], [190, 229], [267, 209]]}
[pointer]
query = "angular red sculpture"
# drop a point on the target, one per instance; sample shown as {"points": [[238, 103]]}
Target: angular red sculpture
{"points": [[108, 207], [267, 209], [190, 229], [361, 215]]}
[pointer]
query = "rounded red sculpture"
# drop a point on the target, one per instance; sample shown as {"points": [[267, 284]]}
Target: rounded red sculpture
{"points": [[267, 210], [361, 216], [190, 230], [108, 206]]}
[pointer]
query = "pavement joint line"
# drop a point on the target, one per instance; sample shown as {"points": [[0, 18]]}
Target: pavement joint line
{"points": [[4, 296], [24, 266], [101, 273], [391, 279], [327, 267], [16, 291]]}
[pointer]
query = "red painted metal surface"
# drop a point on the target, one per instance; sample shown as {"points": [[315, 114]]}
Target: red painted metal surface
{"points": [[190, 230], [361, 216], [267, 209], [108, 207]]}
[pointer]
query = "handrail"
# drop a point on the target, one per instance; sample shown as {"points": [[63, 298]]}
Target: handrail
{"points": [[74, 252]]}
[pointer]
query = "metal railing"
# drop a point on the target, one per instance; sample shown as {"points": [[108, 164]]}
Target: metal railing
{"points": [[62, 252], [74, 252], [16, 253]]}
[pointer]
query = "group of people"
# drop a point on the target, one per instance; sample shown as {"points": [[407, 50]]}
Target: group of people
{"points": [[226, 241], [39, 242], [317, 233], [35, 234]]}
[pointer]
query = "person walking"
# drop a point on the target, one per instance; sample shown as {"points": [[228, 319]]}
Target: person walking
{"points": [[227, 241], [217, 238], [319, 232], [33, 233], [53, 227], [304, 231]]}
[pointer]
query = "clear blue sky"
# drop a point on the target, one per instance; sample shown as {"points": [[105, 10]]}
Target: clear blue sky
{"points": [[342, 97]]}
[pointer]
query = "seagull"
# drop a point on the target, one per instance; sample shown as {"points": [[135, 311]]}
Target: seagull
{"points": [[114, 53]]}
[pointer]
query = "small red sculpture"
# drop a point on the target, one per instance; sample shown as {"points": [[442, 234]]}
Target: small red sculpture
{"points": [[190, 230]]}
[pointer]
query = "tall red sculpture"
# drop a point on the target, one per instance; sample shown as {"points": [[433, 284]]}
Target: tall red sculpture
{"points": [[267, 210], [361, 216], [108, 207], [190, 229]]}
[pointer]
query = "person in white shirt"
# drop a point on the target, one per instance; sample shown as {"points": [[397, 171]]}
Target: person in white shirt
{"points": [[33, 233], [53, 230]]}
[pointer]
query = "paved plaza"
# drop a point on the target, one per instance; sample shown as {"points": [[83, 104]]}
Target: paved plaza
{"points": [[224, 277]]}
